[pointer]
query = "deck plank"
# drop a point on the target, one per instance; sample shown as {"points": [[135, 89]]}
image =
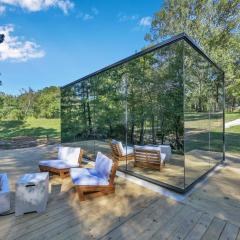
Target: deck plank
{"points": [[171, 226], [98, 221], [215, 229], [238, 236], [186, 226], [200, 228], [230, 232], [143, 221], [133, 212], [160, 221], [82, 216]]}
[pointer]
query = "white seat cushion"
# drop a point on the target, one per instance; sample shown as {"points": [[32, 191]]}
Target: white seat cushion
{"points": [[147, 147], [58, 164], [103, 165], [87, 177], [69, 154], [163, 157]]}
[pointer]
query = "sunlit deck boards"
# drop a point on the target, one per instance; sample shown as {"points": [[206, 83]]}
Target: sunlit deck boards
{"points": [[132, 212]]}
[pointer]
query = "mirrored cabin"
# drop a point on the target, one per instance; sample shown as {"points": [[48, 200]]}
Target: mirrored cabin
{"points": [[159, 113]]}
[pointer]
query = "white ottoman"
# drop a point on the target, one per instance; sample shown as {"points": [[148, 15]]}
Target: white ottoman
{"points": [[167, 150], [31, 193], [4, 193]]}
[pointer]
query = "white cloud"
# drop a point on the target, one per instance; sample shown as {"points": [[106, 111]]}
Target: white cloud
{"points": [[38, 5], [145, 21], [124, 18], [88, 16], [15, 49], [2, 9]]}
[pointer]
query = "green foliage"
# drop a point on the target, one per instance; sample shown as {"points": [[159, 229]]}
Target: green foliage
{"points": [[40, 104], [214, 25], [46, 104]]}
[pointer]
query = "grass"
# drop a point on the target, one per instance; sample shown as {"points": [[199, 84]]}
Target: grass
{"points": [[232, 135], [231, 116], [39, 128], [31, 127], [200, 120]]}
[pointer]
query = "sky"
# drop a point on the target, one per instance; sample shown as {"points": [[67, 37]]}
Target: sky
{"points": [[54, 42]]}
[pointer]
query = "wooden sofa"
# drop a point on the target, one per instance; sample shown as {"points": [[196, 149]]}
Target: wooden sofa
{"points": [[119, 153], [68, 157], [92, 182], [148, 158]]}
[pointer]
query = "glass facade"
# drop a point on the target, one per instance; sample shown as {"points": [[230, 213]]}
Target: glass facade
{"points": [[168, 99]]}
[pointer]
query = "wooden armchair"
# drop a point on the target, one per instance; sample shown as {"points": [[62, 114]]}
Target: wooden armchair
{"points": [[149, 158], [93, 182], [68, 157], [119, 153]]}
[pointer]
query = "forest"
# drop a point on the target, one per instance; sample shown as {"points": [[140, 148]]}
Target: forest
{"points": [[43, 103]]}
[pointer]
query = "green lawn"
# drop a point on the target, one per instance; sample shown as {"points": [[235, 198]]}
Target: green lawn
{"points": [[232, 135], [31, 127], [200, 120], [51, 127], [231, 116]]}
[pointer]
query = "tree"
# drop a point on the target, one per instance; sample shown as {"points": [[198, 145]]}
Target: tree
{"points": [[40, 104], [46, 103], [214, 25], [1, 38]]}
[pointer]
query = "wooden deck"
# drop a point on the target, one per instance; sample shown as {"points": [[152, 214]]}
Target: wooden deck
{"points": [[133, 212]]}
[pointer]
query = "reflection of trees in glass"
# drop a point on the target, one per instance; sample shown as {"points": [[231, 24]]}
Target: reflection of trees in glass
{"points": [[110, 104], [77, 111], [203, 103], [152, 87], [155, 97], [203, 82]]}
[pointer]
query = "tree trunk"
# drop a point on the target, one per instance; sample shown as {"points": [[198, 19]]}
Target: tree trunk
{"points": [[141, 139], [153, 130], [161, 127], [132, 132], [178, 143], [110, 130], [89, 113]]}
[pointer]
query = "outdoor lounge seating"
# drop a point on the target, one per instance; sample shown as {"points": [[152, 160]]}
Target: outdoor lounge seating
{"points": [[119, 152], [92, 182], [68, 157], [150, 157], [4, 193]]}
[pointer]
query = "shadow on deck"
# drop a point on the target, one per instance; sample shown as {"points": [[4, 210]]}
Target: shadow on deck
{"points": [[133, 212]]}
